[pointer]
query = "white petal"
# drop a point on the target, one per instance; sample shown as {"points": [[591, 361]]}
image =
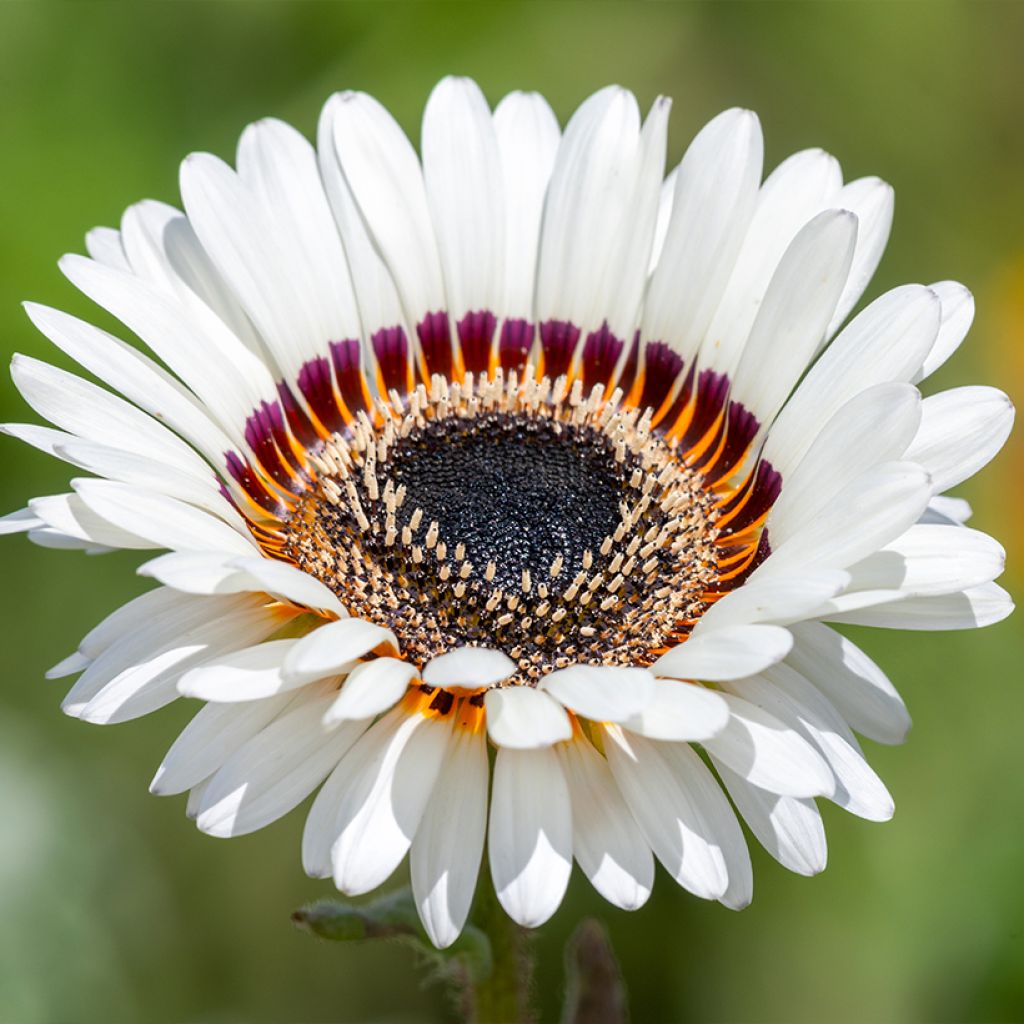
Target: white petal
{"points": [[371, 687], [961, 430], [377, 297], [522, 718], [587, 202], [679, 807], [312, 298], [104, 246], [714, 198], [851, 680], [200, 488], [606, 840], [164, 522], [137, 677], [248, 674], [866, 514], [727, 653], [465, 192], [89, 412], [69, 666], [391, 779], [680, 711], [875, 426], [971, 609], [213, 735], [943, 510], [790, 829], [213, 572], [275, 770], [135, 376], [527, 134], [784, 693], [601, 693], [146, 610], [323, 652], [68, 514], [530, 834], [769, 754], [779, 601], [957, 317], [883, 344], [469, 667], [871, 201], [227, 376], [800, 187], [20, 521], [445, 858], [792, 320], [383, 172], [929, 560]]}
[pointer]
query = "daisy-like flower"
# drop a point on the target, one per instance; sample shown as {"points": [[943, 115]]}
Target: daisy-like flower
{"points": [[519, 446]]}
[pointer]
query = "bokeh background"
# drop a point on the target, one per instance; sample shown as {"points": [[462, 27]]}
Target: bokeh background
{"points": [[114, 908]]}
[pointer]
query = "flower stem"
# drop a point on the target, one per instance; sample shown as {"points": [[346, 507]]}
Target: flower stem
{"points": [[504, 996]]}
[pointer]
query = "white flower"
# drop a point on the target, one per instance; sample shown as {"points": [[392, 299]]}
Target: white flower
{"points": [[518, 443]]}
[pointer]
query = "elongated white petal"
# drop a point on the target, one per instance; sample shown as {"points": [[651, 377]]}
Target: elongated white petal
{"points": [[790, 829], [384, 175], [371, 687], [530, 834], [778, 601], [465, 193], [784, 693], [324, 651], [213, 735], [104, 246], [135, 678], [601, 693], [592, 182], [135, 376], [445, 857], [871, 201], [714, 198], [679, 807], [392, 778], [229, 378], [606, 840], [970, 609], [883, 344], [798, 189], [469, 667], [247, 674], [957, 317], [727, 653], [929, 560], [680, 711], [89, 412], [851, 680], [961, 431], [768, 753], [528, 134], [873, 427], [866, 514], [224, 572], [795, 313], [161, 520], [275, 770], [521, 718]]}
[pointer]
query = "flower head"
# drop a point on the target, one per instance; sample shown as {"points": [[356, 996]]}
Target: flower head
{"points": [[520, 444]]}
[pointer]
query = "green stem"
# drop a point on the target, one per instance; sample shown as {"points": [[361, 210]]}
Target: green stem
{"points": [[504, 996]]}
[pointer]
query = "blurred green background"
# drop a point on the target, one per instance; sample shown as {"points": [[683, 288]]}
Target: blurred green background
{"points": [[114, 908]]}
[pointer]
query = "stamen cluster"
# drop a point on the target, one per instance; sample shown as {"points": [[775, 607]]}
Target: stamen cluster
{"points": [[510, 513]]}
